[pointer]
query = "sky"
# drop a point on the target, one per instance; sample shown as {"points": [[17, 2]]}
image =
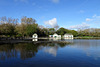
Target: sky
{"points": [[71, 14]]}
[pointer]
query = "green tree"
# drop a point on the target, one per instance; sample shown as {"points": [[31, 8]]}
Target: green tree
{"points": [[62, 31], [75, 33], [52, 31], [21, 30], [31, 28], [7, 26]]}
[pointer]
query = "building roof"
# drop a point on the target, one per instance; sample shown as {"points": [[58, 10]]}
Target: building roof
{"points": [[35, 34]]}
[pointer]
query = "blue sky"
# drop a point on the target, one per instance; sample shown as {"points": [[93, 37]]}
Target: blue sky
{"points": [[70, 14]]}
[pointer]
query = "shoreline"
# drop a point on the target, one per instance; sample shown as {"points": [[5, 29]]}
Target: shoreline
{"points": [[45, 38], [30, 41], [40, 40], [86, 37]]}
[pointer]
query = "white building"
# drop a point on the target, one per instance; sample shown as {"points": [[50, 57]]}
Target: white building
{"points": [[50, 36], [35, 36], [59, 36], [55, 36], [68, 36]]}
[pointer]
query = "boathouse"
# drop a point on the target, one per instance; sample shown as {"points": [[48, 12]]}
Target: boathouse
{"points": [[55, 36], [35, 36], [68, 36], [50, 36]]}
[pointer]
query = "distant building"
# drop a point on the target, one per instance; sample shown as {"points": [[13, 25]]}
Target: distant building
{"points": [[59, 36], [35, 36], [55, 36], [50, 36], [68, 36]]}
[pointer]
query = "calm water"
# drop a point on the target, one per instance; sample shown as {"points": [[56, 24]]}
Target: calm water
{"points": [[81, 53]]}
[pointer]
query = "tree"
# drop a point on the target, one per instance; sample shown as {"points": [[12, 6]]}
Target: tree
{"points": [[52, 31], [75, 33], [21, 29], [27, 27], [62, 31], [31, 28], [27, 20], [7, 26]]}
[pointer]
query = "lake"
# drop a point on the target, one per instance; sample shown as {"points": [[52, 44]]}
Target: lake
{"points": [[80, 53]]}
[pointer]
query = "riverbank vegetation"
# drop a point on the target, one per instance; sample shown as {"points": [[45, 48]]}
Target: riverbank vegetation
{"points": [[26, 27]]}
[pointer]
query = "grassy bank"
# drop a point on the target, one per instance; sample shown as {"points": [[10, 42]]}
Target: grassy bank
{"points": [[86, 37]]}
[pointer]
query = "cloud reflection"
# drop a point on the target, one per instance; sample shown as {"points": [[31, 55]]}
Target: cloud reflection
{"points": [[51, 50]]}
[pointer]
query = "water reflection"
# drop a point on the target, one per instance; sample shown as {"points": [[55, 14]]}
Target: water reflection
{"points": [[54, 39], [81, 53], [51, 49], [90, 47], [69, 40], [65, 39], [26, 50], [34, 39], [7, 51]]}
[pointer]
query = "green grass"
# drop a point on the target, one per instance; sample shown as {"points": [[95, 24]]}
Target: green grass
{"points": [[86, 36]]}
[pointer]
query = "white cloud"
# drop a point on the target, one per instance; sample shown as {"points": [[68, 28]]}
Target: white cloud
{"points": [[94, 19], [94, 22], [94, 16], [80, 26], [51, 23], [55, 1], [88, 19]]}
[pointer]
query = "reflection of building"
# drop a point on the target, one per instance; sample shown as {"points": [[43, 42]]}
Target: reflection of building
{"points": [[34, 39], [54, 39], [68, 36], [68, 40], [51, 36], [35, 36]]}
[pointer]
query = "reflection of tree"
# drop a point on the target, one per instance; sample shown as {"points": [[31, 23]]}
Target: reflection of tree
{"points": [[7, 51], [26, 50], [62, 44]]}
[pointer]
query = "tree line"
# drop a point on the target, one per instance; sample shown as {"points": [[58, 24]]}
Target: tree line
{"points": [[10, 27]]}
